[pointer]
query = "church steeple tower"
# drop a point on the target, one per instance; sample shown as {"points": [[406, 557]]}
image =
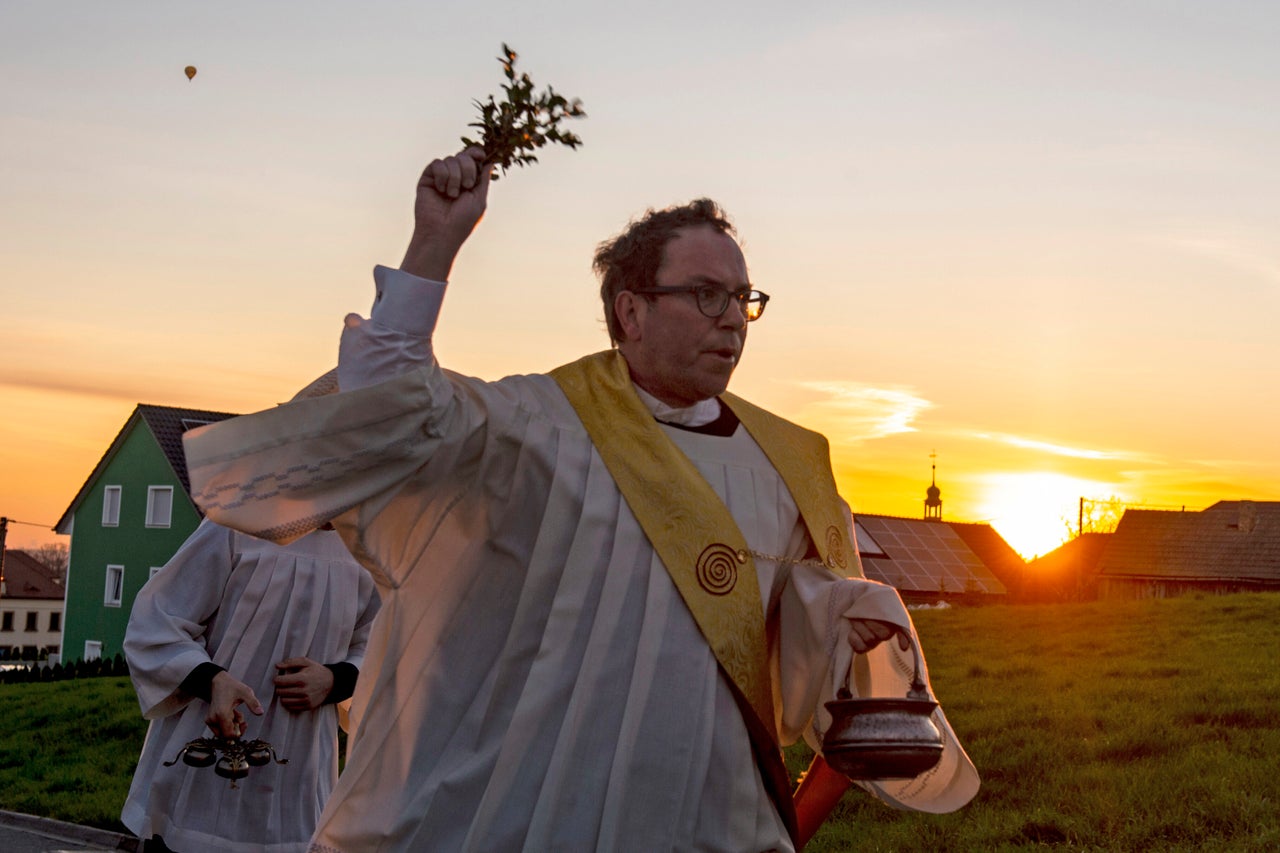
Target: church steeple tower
{"points": [[933, 495]]}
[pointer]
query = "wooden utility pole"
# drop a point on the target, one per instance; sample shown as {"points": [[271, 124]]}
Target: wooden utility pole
{"points": [[4, 531]]}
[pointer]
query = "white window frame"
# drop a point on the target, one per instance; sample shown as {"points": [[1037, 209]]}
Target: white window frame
{"points": [[110, 508], [113, 593], [155, 570], [152, 492], [92, 650]]}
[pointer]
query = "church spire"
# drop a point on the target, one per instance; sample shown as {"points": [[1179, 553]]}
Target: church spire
{"points": [[933, 495]]}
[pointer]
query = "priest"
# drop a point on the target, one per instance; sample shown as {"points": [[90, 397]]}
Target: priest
{"points": [[610, 592]]}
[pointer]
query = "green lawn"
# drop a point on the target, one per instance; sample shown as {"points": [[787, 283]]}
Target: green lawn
{"points": [[1139, 726], [1108, 726], [68, 749]]}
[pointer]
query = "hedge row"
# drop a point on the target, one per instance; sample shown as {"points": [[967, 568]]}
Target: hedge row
{"points": [[58, 672]]}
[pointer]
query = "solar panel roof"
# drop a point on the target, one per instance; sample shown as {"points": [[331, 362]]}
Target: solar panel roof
{"points": [[916, 555]]}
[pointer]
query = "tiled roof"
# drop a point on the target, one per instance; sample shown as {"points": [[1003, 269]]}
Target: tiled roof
{"points": [[1075, 557], [1068, 572], [27, 577], [918, 555], [997, 554], [167, 424], [1229, 540]]}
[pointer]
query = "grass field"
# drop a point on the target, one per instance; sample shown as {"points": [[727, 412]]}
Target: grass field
{"points": [[1137, 726], [1140, 726]]}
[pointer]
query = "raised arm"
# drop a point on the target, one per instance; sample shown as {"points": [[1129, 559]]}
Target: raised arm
{"points": [[327, 455], [452, 195]]}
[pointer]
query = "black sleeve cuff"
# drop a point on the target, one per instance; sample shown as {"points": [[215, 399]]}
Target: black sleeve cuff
{"points": [[344, 682], [199, 683]]}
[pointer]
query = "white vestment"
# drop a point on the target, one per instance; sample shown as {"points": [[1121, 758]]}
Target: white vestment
{"points": [[243, 604], [534, 682]]}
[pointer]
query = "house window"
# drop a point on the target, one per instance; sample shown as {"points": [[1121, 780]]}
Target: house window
{"points": [[155, 570], [6, 621], [92, 649], [55, 621], [33, 620], [159, 505], [111, 506], [115, 586]]}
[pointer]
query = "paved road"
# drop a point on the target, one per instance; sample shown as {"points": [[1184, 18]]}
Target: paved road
{"points": [[20, 833]]}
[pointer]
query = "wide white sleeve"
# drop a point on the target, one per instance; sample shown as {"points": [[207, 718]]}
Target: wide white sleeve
{"points": [[397, 335], [283, 472], [165, 637], [816, 660], [815, 655]]}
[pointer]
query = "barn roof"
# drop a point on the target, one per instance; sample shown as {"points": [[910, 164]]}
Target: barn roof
{"points": [[1229, 540]]}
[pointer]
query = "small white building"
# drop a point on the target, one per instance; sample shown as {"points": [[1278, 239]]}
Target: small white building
{"points": [[31, 607]]}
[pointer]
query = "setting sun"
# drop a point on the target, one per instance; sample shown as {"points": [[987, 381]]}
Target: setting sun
{"points": [[1035, 511]]}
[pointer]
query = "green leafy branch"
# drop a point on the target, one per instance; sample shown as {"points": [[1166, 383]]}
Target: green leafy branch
{"points": [[512, 130]]}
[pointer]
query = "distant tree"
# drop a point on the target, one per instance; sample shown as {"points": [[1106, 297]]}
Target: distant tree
{"points": [[1099, 516], [55, 555]]}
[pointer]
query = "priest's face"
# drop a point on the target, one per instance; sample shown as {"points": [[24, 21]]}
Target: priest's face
{"points": [[674, 351]]}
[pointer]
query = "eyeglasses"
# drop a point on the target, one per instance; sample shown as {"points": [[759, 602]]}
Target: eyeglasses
{"points": [[714, 300]]}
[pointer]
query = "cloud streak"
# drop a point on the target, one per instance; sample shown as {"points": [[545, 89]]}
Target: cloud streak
{"points": [[1242, 257], [1051, 447], [150, 387], [860, 411], [106, 389]]}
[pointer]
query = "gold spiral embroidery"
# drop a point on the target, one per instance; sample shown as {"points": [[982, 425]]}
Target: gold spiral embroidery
{"points": [[717, 568], [835, 548]]}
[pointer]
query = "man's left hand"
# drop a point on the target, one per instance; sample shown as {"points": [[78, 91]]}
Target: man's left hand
{"points": [[866, 634], [302, 684]]}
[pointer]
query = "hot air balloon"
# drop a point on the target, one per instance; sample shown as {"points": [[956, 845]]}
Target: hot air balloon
{"points": [[191, 71]]}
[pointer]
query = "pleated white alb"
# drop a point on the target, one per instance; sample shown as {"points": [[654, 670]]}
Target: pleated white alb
{"points": [[243, 604]]}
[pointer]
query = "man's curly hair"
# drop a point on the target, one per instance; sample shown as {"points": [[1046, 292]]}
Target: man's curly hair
{"points": [[630, 260]]}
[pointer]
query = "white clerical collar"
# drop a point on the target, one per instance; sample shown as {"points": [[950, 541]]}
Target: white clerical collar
{"points": [[699, 414]]}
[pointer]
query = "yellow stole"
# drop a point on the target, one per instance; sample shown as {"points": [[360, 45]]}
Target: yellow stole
{"points": [[688, 524]]}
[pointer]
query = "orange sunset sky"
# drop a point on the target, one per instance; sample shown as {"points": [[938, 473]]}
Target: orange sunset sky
{"points": [[1039, 239]]}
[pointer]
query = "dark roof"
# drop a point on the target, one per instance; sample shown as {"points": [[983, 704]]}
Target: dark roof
{"points": [[1066, 573], [1229, 540], [1078, 556], [27, 577], [924, 556], [167, 424], [999, 556]]}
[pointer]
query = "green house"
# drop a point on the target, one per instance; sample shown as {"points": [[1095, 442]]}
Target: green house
{"points": [[125, 523]]}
